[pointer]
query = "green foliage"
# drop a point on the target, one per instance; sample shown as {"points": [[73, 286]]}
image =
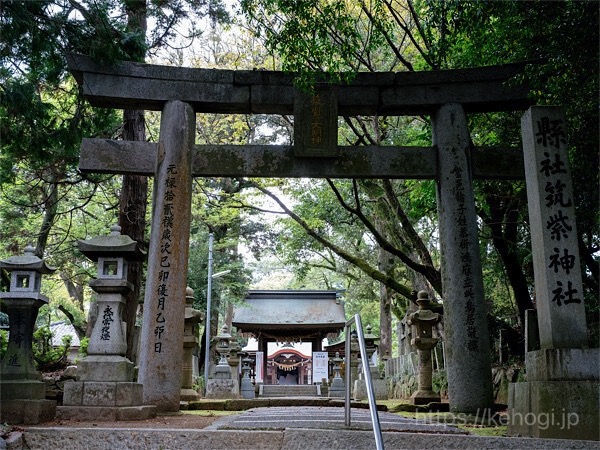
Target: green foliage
{"points": [[83, 346], [439, 381], [47, 358], [3, 342]]}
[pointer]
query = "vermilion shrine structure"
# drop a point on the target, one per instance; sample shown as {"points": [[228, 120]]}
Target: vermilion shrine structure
{"points": [[447, 97]]}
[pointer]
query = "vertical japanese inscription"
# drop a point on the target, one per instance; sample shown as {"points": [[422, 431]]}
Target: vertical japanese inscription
{"points": [[558, 219], [458, 190], [18, 329], [558, 286], [315, 121], [165, 249], [107, 319]]}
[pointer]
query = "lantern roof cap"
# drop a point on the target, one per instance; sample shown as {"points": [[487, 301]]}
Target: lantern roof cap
{"points": [[27, 261], [369, 335], [114, 244]]}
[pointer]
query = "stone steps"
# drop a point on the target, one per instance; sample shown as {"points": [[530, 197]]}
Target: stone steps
{"points": [[286, 390]]}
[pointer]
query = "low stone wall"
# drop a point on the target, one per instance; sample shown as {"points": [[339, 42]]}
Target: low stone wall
{"points": [[402, 379]]}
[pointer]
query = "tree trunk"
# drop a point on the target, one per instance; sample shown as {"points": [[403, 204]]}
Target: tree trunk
{"points": [[134, 192], [503, 222], [386, 264]]}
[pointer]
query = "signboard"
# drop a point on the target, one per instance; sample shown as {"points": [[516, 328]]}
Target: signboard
{"points": [[320, 365], [315, 121], [259, 366]]}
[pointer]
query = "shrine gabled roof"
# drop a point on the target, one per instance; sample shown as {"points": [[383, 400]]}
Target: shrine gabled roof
{"points": [[288, 310]]}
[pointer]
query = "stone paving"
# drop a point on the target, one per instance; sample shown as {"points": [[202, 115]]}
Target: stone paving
{"points": [[282, 428], [325, 418]]}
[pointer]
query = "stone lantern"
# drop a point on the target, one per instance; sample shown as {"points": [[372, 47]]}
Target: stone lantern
{"points": [[21, 391], [106, 390], [379, 386], [370, 346], [354, 356], [337, 388], [221, 384], [234, 358], [112, 253], [192, 317], [247, 387], [222, 370], [423, 320]]}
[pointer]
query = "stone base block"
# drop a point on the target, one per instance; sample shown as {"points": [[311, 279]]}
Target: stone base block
{"points": [[424, 398], [247, 389], [22, 389], [189, 395], [105, 368], [360, 390], [560, 364], [222, 389], [337, 388], [98, 393], [555, 409], [29, 412], [336, 393], [105, 413]]}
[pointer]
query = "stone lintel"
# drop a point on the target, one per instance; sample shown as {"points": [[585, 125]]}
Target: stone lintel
{"points": [[563, 364], [109, 156], [130, 85]]}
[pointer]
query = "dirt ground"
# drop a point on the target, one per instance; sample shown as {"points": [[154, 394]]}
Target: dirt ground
{"points": [[193, 421]]}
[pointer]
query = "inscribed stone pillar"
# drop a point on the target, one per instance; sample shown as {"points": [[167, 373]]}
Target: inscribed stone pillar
{"points": [[161, 352], [558, 285], [465, 323]]}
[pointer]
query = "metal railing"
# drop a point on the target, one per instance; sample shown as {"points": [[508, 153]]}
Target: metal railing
{"points": [[368, 381]]}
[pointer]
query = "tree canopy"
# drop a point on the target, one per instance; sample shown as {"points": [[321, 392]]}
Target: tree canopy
{"points": [[358, 235]]}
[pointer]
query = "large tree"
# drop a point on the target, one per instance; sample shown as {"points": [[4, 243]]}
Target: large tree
{"points": [[44, 115], [381, 35]]}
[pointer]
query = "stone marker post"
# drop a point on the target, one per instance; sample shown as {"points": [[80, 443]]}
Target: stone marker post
{"points": [[161, 352], [21, 391], [560, 397], [465, 316], [557, 272]]}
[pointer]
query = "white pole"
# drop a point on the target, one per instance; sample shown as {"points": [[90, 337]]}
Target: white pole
{"points": [[208, 305]]}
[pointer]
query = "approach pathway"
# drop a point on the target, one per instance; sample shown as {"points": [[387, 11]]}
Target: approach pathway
{"points": [[324, 418]]}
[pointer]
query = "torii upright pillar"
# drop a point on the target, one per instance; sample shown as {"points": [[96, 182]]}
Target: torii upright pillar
{"points": [[467, 341], [161, 352]]}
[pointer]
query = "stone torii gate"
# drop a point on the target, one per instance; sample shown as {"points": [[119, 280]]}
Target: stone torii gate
{"points": [[180, 93]]}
